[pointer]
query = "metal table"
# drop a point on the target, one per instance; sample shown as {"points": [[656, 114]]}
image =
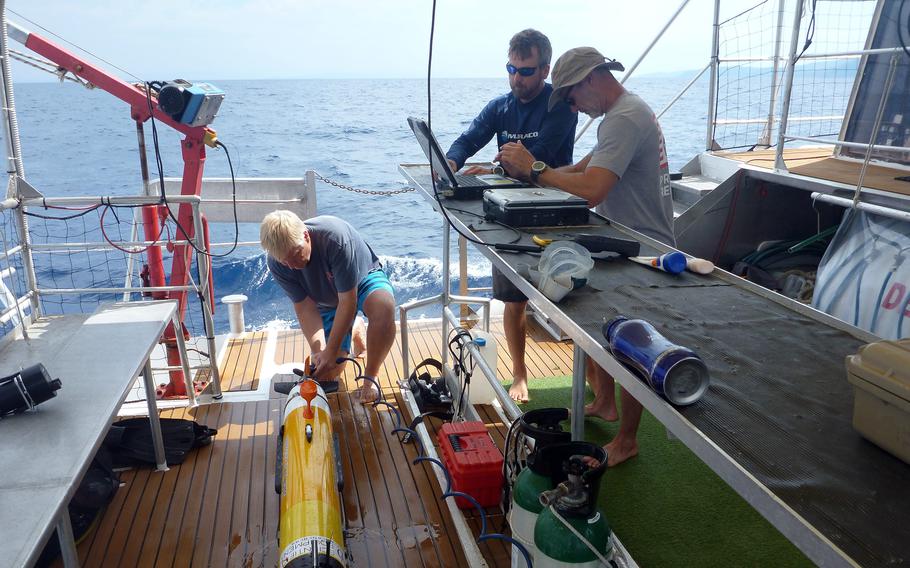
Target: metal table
{"points": [[45, 453], [775, 424]]}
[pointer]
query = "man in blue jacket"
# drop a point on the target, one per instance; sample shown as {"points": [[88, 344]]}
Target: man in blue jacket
{"points": [[521, 116]]}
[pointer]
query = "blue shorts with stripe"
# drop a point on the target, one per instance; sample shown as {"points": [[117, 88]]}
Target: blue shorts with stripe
{"points": [[375, 280]]}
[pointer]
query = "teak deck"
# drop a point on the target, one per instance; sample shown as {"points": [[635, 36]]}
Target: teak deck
{"points": [[219, 508], [820, 164]]}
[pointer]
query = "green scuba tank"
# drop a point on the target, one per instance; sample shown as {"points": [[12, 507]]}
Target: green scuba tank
{"points": [[541, 425], [574, 502], [524, 511]]}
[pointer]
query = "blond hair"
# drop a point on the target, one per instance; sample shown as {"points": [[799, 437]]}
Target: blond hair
{"points": [[281, 232]]}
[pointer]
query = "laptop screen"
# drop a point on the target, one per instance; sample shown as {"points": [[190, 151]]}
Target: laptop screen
{"points": [[431, 148]]}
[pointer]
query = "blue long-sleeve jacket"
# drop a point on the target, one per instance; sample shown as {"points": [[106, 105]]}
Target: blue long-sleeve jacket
{"points": [[549, 136]]}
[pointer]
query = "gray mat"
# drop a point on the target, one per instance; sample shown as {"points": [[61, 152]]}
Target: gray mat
{"points": [[779, 404]]}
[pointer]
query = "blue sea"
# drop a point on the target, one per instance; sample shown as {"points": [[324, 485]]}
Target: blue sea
{"points": [[83, 142]]}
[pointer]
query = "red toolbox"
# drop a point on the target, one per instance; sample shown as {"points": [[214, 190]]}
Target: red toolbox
{"points": [[473, 461]]}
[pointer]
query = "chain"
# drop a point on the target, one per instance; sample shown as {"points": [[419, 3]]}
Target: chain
{"points": [[322, 178], [48, 67]]}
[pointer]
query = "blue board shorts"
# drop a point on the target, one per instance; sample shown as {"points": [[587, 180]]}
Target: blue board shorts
{"points": [[375, 280]]}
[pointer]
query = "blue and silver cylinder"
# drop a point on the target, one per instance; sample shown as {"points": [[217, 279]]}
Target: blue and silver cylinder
{"points": [[676, 373]]}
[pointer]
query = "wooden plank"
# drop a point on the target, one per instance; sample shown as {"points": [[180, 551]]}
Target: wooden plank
{"points": [[847, 172], [184, 503], [365, 531], [820, 164], [219, 507], [113, 551], [150, 543], [138, 531], [204, 540], [386, 483], [207, 460], [240, 501], [272, 500], [230, 362], [261, 484], [428, 494], [222, 495]]}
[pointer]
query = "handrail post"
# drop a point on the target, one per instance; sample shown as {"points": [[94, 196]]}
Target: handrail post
{"points": [[463, 273], [202, 261], [446, 238], [788, 86], [765, 139], [712, 83], [134, 230]]}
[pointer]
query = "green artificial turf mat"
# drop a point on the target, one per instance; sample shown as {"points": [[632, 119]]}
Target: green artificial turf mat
{"points": [[666, 506]]}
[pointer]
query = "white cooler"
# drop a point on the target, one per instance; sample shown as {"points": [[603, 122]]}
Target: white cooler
{"points": [[880, 374]]}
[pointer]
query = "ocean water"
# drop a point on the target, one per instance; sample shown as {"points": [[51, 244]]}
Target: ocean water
{"points": [[83, 142]]}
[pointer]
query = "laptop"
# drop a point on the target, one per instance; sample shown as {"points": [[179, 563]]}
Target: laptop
{"points": [[534, 207], [463, 186]]}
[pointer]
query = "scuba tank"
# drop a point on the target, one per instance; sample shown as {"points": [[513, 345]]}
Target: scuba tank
{"points": [[543, 427], [574, 502]]}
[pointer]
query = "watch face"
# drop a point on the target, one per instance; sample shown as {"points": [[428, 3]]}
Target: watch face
{"points": [[538, 166]]}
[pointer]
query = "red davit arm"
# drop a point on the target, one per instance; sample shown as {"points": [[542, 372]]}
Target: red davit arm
{"points": [[154, 216]]}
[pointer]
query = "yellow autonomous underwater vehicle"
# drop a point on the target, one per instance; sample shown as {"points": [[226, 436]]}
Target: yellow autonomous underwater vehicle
{"points": [[309, 480]]}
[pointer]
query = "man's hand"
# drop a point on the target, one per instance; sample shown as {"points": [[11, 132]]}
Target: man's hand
{"points": [[516, 159], [325, 366], [452, 165], [477, 170]]}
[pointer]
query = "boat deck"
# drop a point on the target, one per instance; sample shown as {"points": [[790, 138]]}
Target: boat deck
{"points": [[819, 163], [219, 507]]}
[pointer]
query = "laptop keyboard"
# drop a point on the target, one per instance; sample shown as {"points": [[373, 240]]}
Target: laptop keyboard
{"points": [[462, 179]]}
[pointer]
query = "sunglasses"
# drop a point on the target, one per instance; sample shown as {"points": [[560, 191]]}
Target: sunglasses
{"points": [[523, 71]]}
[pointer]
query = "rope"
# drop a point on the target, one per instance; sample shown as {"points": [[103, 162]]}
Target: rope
{"points": [[580, 537], [48, 67], [324, 179]]}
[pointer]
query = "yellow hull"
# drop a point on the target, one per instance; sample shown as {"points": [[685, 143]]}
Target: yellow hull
{"points": [[310, 502]]}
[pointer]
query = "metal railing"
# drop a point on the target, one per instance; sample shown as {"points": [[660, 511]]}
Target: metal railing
{"points": [[202, 288]]}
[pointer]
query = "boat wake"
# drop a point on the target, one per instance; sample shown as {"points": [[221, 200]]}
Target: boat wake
{"points": [[412, 278]]}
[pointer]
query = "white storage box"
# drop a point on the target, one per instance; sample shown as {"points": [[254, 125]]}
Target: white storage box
{"points": [[880, 374]]}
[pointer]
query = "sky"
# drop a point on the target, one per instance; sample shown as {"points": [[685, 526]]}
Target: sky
{"points": [[273, 39]]}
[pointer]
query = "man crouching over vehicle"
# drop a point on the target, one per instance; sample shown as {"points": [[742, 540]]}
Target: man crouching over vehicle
{"points": [[330, 273]]}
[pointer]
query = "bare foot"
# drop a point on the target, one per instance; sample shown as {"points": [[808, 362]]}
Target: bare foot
{"points": [[605, 411], [358, 338], [367, 392], [619, 450], [519, 390]]}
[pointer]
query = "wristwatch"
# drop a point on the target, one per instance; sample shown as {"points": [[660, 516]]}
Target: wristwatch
{"points": [[537, 168]]}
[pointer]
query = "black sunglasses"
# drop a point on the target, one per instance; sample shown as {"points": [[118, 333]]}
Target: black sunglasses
{"points": [[523, 71]]}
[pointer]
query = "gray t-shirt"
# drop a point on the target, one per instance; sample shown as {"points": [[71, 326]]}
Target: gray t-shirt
{"points": [[339, 261], [631, 145]]}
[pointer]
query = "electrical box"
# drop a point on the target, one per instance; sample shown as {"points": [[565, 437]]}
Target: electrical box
{"points": [[195, 104], [473, 461]]}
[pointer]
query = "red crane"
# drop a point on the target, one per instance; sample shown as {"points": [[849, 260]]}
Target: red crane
{"points": [[153, 216]]}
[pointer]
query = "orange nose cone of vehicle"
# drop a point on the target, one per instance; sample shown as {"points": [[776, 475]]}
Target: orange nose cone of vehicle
{"points": [[308, 392]]}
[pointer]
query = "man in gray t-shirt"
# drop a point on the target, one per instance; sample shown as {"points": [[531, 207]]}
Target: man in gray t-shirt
{"points": [[625, 177], [330, 273]]}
